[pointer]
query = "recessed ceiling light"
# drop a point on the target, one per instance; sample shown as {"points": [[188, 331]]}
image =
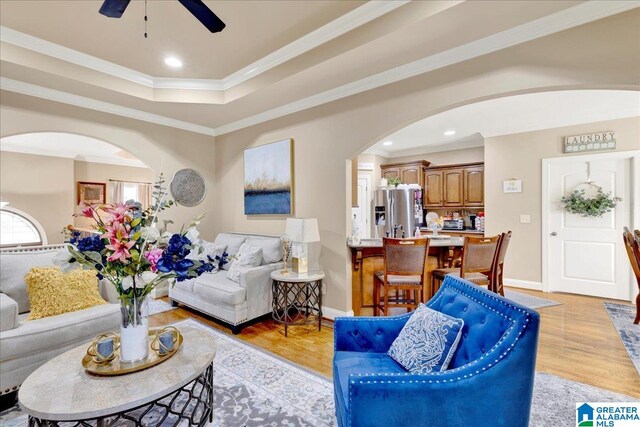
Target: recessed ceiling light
{"points": [[449, 133], [172, 61], [387, 143]]}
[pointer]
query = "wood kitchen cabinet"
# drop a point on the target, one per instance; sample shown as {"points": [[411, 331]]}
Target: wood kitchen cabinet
{"points": [[434, 191], [454, 186], [390, 172], [409, 173], [474, 186]]}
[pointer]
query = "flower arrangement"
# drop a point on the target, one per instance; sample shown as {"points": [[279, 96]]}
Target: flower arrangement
{"points": [[131, 252], [596, 206]]}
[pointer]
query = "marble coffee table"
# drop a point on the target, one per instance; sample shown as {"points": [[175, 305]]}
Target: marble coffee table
{"points": [[62, 392]]}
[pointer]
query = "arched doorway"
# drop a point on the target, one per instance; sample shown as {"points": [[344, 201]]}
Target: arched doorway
{"points": [[46, 175], [533, 123]]}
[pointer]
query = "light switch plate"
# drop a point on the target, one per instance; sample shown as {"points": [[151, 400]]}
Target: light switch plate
{"points": [[525, 219]]}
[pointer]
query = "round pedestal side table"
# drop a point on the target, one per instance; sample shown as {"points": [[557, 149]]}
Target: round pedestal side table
{"points": [[61, 392], [297, 298]]}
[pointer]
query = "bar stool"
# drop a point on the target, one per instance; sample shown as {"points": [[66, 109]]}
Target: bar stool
{"points": [[404, 262], [498, 285], [478, 263]]}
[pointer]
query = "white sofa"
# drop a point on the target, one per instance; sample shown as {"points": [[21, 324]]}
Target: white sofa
{"points": [[234, 303], [27, 344]]}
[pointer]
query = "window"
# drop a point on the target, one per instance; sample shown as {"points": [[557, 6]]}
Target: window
{"points": [[123, 191], [130, 192], [18, 229]]}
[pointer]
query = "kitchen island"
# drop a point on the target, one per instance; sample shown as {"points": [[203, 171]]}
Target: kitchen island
{"points": [[366, 259]]}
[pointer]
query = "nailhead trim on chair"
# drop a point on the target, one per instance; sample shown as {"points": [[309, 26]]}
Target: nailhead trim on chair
{"points": [[476, 361], [9, 390]]}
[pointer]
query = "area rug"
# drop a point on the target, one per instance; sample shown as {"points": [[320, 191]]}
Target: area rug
{"points": [[622, 317], [158, 306], [528, 300], [255, 388]]}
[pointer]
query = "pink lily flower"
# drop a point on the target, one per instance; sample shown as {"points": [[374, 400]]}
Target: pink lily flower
{"points": [[120, 250], [115, 231], [117, 210], [86, 210]]}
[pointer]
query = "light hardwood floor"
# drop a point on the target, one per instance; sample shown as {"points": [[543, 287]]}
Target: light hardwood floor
{"points": [[577, 341]]}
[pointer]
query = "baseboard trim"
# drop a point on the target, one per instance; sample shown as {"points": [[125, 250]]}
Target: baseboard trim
{"points": [[524, 284], [332, 313]]}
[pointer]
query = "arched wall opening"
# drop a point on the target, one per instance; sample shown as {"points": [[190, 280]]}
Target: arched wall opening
{"points": [[49, 175], [160, 148], [535, 128]]}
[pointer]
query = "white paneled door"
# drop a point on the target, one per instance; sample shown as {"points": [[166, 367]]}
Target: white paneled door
{"points": [[585, 255]]}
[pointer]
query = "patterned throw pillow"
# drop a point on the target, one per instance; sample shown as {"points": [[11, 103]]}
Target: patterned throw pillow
{"points": [[427, 341], [52, 292], [247, 256]]}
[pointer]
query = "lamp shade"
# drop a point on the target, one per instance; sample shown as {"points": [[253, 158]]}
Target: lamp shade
{"points": [[302, 230]]}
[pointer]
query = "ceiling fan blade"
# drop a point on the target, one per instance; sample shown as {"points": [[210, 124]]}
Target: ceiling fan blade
{"points": [[204, 15], [114, 8]]}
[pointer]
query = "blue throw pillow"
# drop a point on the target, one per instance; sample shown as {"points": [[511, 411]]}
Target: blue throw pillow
{"points": [[427, 341]]}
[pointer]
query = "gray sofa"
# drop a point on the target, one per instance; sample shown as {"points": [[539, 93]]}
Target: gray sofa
{"points": [[235, 303], [27, 344]]}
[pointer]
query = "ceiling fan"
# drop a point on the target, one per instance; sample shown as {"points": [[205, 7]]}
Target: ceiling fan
{"points": [[115, 9]]}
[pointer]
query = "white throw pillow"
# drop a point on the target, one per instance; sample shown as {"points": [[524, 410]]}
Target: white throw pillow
{"points": [[427, 341], [247, 256], [271, 248]]}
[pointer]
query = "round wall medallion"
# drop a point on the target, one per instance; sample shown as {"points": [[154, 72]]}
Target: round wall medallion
{"points": [[188, 187]]}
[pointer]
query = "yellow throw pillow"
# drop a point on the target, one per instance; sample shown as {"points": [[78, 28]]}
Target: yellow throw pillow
{"points": [[52, 292]]}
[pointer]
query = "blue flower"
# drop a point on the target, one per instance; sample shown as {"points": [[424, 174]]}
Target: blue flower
{"points": [[178, 246], [205, 267], [89, 244], [221, 259], [182, 267], [165, 264]]}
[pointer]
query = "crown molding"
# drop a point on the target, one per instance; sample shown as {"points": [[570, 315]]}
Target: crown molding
{"points": [[35, 44], [15, 148], [559, 21], [566, 19], [343, 24], [94, 104]]}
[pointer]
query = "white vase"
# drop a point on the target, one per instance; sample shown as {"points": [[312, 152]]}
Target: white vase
{"points": [[134, 330]]}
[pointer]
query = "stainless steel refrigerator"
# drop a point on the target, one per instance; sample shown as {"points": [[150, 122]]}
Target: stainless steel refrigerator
{"points": [[397, 211]]}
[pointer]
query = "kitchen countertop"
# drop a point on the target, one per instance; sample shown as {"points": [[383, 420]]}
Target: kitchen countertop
{"points": [[423, 230], [377, 243]]}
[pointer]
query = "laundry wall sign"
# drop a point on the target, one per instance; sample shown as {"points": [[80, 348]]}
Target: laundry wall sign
{"points": [[590, 142]]}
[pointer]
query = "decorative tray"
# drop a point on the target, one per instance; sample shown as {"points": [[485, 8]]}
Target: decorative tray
{"points": [[117, 367]]}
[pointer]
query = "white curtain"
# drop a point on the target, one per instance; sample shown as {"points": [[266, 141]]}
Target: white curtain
{"points": [[121, 191], [144, 195], [116, 191]]}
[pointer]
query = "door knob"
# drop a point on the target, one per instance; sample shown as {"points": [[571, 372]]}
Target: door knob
{"points": [[553, 233]]}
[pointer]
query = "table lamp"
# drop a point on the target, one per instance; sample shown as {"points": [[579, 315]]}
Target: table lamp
{"points": [[301, 231]]}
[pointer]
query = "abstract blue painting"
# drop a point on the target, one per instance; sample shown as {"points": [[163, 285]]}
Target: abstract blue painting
{"points": [[268, 179]]}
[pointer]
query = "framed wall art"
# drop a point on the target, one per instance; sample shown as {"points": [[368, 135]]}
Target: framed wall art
{"points": [[91, 192], [268, 179]]}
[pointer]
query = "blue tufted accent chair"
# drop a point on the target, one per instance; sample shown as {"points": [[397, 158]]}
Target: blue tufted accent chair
{"points": [[489, 381]]}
